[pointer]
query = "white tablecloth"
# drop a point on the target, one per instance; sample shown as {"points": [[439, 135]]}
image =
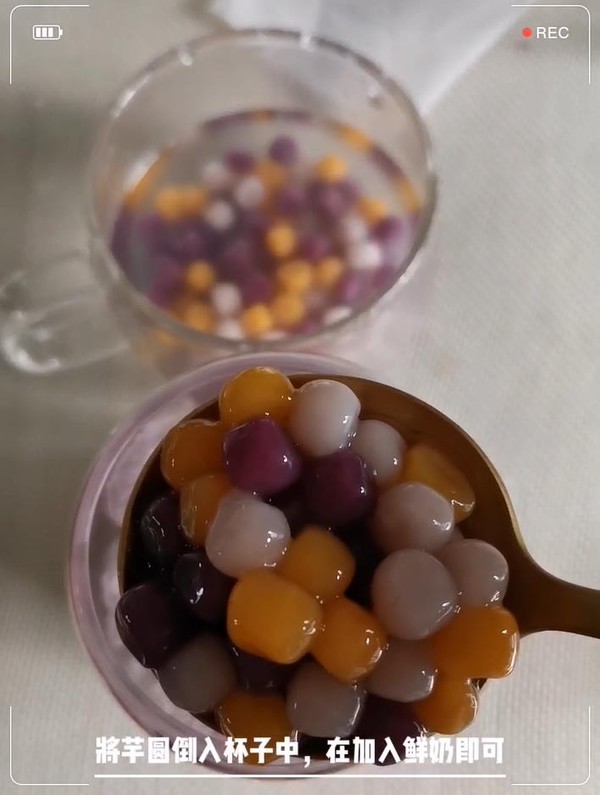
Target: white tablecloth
{"points": [[509, 349]]}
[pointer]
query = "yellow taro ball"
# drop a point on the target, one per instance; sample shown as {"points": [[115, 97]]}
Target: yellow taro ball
{"points": [[354, 137], [272, 175], [372, 210], [281, 240], [191, 449], [425, 464], [253, 715], [479, 643], [255, 393], [295, 276], [450, 708], [168, 204], [318, 562], [288, 309], [256, 320], [199, 316], [192, 200], [328, 272], [200, 500], [332, 168], [271, 617], [200, 276], [351, 641]]}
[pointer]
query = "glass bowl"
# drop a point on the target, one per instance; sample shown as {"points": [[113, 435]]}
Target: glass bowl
{"points": [[67, 319], [93, 582], [221, 76]]}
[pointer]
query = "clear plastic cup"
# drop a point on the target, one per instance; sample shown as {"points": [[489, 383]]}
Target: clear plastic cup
{"points": [[68, 320], [93, 584]]}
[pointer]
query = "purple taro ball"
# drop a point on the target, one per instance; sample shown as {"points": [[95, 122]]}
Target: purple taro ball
{"points": [[260, 457], [389, 230], [188, 241], [353, 288], [292, 504], [309, 326], [150, 623], [202, 588], [284, 150], [168, 280], [328, 200], [339, 488], [256, 288], [254, 223], [315, 246], [349, 191], [237, 258], [153, 231], [291, 200], [160, 532], [240, 161]]}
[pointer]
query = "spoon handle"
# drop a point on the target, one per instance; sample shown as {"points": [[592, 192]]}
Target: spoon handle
{"points": [[559, 606]]}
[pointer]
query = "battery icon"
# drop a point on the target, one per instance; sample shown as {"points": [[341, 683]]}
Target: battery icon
{"points": [[47, 32]]}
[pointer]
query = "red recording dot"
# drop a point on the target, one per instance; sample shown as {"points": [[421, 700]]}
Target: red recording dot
{"points": [[527, 33]]}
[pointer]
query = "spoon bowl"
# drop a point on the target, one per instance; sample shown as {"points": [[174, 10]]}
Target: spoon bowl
{"points": [[539, 601]]}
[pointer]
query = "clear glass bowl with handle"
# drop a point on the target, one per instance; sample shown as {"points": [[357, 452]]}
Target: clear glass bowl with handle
{"points": [[55, 316]]}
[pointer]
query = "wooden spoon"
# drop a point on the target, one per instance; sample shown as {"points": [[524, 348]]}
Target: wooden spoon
{"points": [[538, 600]]}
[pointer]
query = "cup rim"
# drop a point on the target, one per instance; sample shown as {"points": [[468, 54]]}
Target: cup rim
{"points": [[197, 44]]}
